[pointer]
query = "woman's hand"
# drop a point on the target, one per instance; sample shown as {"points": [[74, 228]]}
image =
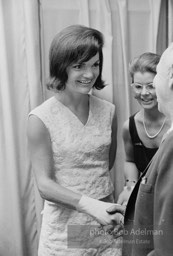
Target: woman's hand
{"points": [[98, 210]]}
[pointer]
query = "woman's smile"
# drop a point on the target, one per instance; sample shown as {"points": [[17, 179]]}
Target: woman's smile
{"points": [[84, 82]]}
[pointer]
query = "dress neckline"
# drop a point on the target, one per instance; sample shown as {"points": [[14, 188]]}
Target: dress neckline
{"points": [[73, 114]]}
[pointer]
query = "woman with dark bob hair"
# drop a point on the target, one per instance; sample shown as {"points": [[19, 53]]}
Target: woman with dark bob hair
{"points": [[74, 44], [72, 141]]}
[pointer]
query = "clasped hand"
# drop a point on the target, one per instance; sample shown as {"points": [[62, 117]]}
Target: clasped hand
{"points": [[105, 213], [117, 212]]}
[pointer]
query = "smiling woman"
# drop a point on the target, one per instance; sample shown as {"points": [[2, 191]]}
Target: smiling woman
{"points": [[66, 52], [72, 140]]}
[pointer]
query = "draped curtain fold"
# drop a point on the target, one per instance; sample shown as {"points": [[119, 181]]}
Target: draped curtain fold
{"points": [[123, 17], [154, 21], [20, 90], [103, 23], [84, 13], [27, 27], [170, 21]]}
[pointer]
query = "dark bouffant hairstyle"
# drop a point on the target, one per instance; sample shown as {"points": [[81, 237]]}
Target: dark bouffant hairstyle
{"points": [[74, 44], [146, 62]]}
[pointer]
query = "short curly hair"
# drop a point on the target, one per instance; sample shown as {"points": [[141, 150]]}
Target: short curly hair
{"points": [[146, 62], [74, 44]]}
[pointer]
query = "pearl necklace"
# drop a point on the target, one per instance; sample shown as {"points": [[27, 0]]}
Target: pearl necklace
{"points": [[157, 133]]}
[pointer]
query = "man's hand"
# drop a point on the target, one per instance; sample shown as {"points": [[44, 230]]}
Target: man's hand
{"points": [[117, 212], [116, 208]]}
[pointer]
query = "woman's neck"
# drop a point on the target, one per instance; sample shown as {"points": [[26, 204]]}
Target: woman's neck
{"points": [[153, 115], [73, 100]]}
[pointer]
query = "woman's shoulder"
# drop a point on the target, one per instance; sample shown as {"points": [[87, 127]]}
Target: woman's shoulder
{"points": [[133, 118], [102, 108], [101, 102], [44, 106], [46, 111], [130, 124]]}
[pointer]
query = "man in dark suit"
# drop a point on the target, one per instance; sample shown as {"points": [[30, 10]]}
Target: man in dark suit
{"points": [[148, 221]]}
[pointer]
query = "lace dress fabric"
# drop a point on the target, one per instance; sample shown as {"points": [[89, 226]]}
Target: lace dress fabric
{"points": [[81, 164]]}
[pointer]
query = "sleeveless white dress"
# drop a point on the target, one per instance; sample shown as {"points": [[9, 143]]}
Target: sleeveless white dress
{"points": [[81, 164]]}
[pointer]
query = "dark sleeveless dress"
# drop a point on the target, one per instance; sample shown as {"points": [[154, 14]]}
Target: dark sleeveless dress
{"points": [[142, 154]]}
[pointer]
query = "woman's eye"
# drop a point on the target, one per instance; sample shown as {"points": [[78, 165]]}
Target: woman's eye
{"points": [[138, 86], [77, 66], [97, 64], [150, 86]]}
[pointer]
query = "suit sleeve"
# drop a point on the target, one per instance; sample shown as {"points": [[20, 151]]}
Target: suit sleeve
{"points": [[163, 203]]}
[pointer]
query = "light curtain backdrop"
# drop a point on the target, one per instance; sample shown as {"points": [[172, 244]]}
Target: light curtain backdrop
{"points": [[27, 27]]}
